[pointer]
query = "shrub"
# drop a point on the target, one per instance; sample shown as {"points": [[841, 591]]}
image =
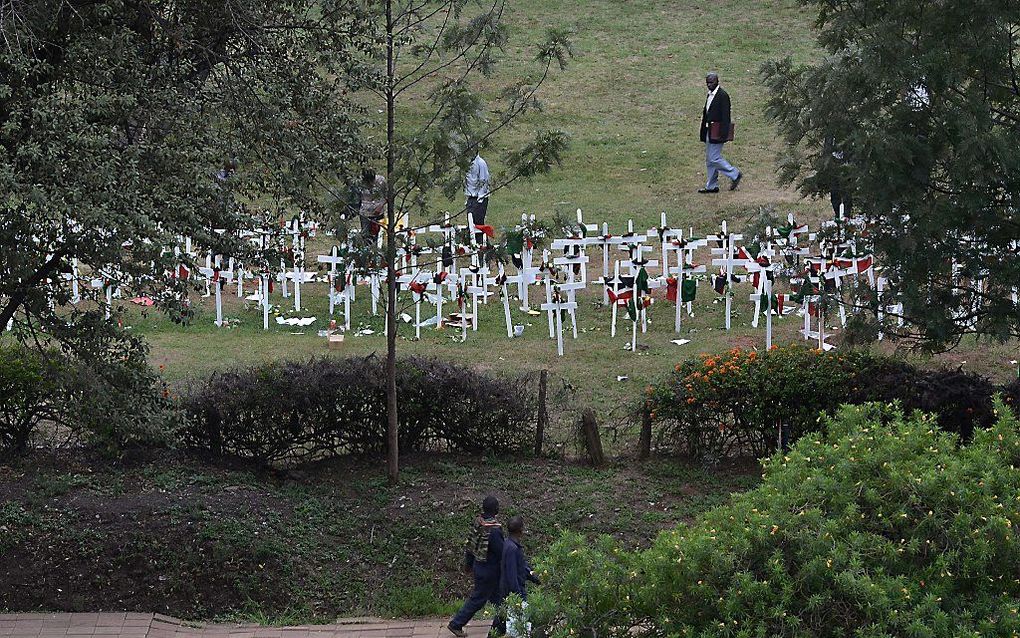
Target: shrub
{"points": [[734, 403], [884, 526], [107, 401], [960, 400], [1011, 395], [718, 405], [26, 385], [326, 407]]}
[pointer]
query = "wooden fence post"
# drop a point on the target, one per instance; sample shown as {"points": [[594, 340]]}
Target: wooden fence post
{"points": [[592, 439], [543, 413]]}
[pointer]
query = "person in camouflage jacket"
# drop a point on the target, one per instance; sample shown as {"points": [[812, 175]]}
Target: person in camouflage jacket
{"points": [[482, 555]]}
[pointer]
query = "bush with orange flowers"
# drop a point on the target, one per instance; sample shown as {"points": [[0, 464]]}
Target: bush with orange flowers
{"points": [[733, 404]]}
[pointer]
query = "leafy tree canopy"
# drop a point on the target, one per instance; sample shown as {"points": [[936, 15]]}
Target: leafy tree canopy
{"points": [[121, 122], [916, 108]]}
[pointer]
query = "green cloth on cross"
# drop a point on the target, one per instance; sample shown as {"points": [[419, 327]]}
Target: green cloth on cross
{"points": [[688, 290], [641, 283]]}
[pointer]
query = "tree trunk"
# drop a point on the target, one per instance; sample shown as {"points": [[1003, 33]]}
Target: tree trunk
{"points": [[392, 424], [645, 442], [592, 438], [22, 290], [543, 413]]}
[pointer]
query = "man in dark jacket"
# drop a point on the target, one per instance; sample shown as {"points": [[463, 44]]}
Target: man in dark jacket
{"points": [[482, 556], [716, 112], [515, 570]]}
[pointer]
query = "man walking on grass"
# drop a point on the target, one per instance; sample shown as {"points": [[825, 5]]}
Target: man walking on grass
{"points": [[515, 572], [715, 131], [482, 557]]}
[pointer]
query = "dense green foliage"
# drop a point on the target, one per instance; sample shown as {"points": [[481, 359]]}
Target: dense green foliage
{"points": [[118, 119], [916, 112], [25, 387], [330, 407], [733, 404], [884, 526], [107, 398]]}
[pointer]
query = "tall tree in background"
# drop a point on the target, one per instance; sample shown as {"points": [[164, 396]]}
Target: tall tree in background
{"points": [[916, 107], [117, 115], [436, 122]]}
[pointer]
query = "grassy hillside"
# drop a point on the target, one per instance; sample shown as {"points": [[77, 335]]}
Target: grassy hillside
{"points": [[631, 102], [176, 536]]}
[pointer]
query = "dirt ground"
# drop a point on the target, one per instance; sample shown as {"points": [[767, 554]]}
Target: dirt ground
{"points": [[173, 534]]}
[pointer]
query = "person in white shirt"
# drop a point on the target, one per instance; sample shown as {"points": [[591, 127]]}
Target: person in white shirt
{"points": [[476, 188], [715, 130]]}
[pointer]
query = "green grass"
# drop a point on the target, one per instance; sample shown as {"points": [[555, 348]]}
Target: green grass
{"points": [[333, 540], [631, 102]]}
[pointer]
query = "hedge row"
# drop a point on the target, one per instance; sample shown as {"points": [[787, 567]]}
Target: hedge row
{"points": [[328, 407], [743, 402]]}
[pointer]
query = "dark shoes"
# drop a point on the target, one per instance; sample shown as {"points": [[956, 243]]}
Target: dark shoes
{"points": [[735, 183], [456, 631], [708, 190]]}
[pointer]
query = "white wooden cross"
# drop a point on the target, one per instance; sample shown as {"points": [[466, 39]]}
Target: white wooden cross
{"points": [[477, 282], [811, 298], [586, 229], [262, 238], [619, 286], [339, 282], [896, 309], [449, 232], [685, 249], [574, 256], [636, 259], [666, 237], [73, 278], [104, 283], [727, 262], [764, 292], [527, 275], [569, 288], [789, 243], [216, 277], [761, 273], [858, 264], [830, 271], [556, 303], [605, 241], [418, 284], [501, 284]]}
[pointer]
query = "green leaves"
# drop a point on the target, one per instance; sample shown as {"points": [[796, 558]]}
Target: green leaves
{"points": [[882, 526], [916, 114], [556, 48], [539, 156]]}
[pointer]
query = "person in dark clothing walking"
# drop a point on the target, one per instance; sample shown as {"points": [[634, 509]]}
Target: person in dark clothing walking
{"points": [[515, 572], [482, 556], [715, 131]]}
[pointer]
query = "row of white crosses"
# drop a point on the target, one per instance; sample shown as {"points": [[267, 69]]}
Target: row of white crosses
{"points": [[677, 261]]}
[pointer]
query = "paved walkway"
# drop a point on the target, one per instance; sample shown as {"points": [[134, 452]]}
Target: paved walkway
{"points": [[132, 625]]}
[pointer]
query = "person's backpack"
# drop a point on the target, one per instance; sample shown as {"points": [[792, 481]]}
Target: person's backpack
{"points": [[478, 542]]}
